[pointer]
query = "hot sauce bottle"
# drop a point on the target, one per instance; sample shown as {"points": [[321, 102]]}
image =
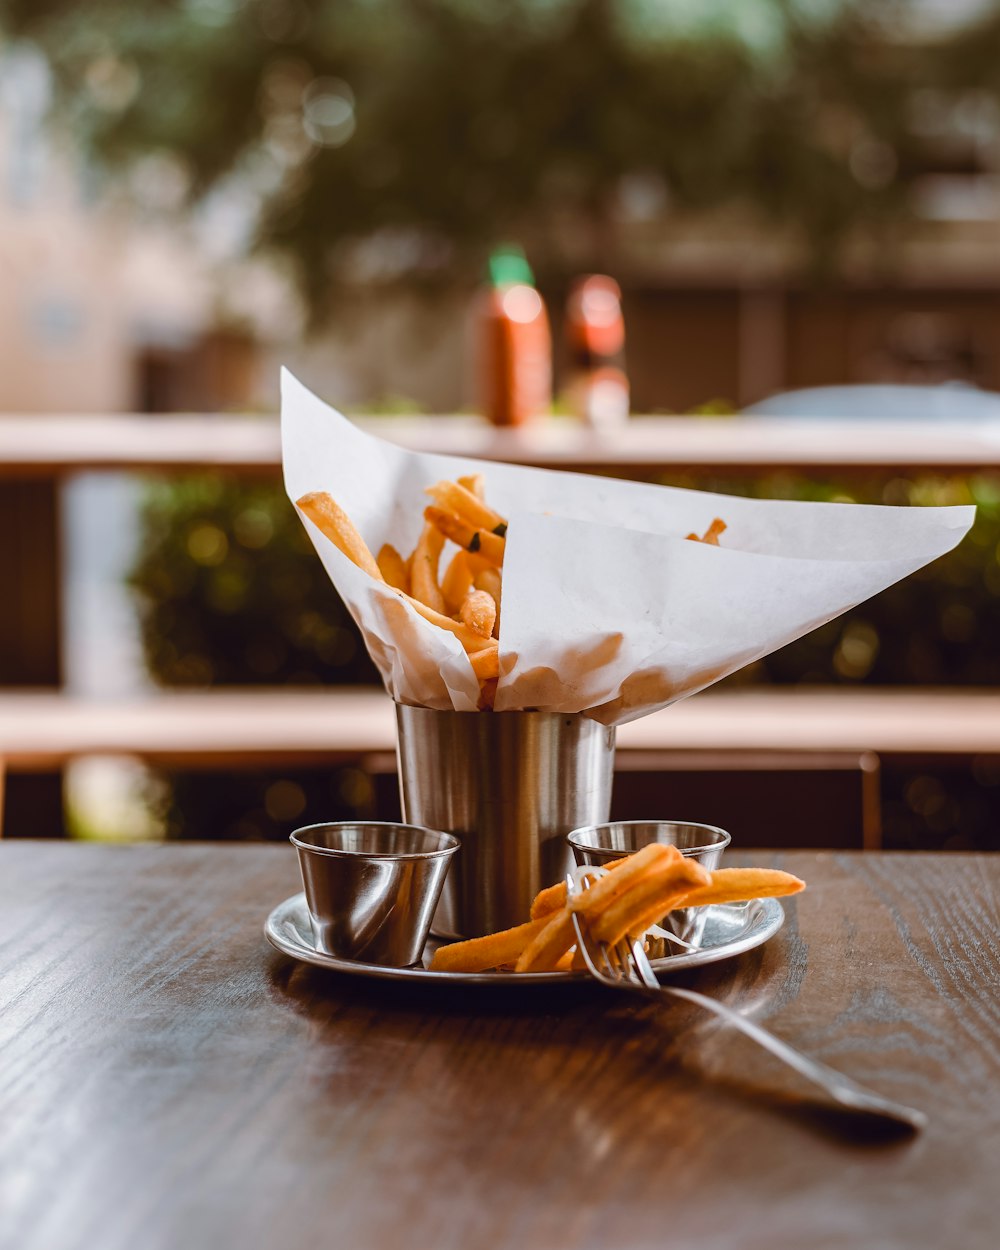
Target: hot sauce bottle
{"points": [[515, 343], [595, 336]]}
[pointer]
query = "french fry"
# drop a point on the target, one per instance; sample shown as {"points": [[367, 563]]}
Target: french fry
{"points": [[554, 897], [329, 517], [479, 612], [727, 885], [393, 568], [646, 920], [549, 900], [634, 893], [656, 892], [711, 535], [463, 567], [547, 947], [487, 694], [490, 579], [475, 484], [469, 639], [424, 568], [464, 535], [453, 497], [491, 951], [735, 885], [607, 888], [485, 663]]}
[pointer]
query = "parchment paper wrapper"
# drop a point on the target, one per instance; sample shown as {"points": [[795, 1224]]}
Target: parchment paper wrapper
{"points": [[607, 608]]}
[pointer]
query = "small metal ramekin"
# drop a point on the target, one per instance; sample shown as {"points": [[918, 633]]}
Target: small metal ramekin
{"points": [[599, 844], [372, 887]]}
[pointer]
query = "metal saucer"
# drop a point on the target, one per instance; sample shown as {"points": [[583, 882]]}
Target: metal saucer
{"points": [[730, 929]]}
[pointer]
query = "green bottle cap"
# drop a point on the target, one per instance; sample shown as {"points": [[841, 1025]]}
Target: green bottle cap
{"points": [[509, 267]]}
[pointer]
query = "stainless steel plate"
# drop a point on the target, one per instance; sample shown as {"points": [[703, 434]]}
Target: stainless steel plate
{"points": [[730, 930]]}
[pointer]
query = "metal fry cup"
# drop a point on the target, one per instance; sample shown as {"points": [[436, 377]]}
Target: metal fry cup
{"points": [[372, 887], [600, 844], [511, 785]]}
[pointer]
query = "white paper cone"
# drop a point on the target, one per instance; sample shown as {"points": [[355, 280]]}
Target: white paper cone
{"points": [[607, 608]]}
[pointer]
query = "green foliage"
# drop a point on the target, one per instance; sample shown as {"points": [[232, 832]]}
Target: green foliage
{"points": [[399, 138], [937, 627], [231, 592], [256, 806]]}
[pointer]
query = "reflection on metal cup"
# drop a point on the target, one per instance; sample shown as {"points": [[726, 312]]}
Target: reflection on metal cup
{"points": [[372, 888], [602, 843], [511, 786]]}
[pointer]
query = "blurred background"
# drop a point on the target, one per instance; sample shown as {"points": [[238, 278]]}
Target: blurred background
{"points": [[790, 194]]}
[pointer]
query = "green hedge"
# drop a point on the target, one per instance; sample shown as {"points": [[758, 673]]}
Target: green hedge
{"points": [[231, 592]]}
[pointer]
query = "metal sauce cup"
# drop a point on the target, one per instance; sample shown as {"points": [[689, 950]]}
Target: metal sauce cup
{"points": [[599, 844], [372, 887]]}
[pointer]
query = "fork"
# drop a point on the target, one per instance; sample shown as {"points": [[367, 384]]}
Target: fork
{"points": [[626, 967]]}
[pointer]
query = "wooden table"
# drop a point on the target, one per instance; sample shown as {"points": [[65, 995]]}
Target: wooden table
{"points": [[170, 1081]]}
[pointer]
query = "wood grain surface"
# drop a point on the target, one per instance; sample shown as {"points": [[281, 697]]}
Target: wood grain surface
{"points": [[167, 1081]]}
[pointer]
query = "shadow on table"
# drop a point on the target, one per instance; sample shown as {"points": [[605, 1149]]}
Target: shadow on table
{"points": [[653, 1041]]}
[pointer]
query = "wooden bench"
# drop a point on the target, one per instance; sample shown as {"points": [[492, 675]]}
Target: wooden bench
{"points": [[47, 446], [764, 798], [249, 728], [800, 758]]}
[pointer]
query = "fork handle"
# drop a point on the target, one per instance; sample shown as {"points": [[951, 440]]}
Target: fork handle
{"points": [[841, 1088]]}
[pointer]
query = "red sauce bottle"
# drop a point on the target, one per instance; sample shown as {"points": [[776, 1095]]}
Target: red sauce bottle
{"points": [[515, 347], [595, 336]]}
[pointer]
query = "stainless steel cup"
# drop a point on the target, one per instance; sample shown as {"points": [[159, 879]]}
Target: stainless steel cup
{"points": [[372, 888], [511, 785], [601, 843]]}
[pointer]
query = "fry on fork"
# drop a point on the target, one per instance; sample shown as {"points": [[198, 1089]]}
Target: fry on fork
{"points": [[605, 890], [657, 893], [554, 896], [735, 885]]}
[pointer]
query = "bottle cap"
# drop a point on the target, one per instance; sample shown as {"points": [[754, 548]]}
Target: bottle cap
{"points": [[509, 267], [594, 321]]}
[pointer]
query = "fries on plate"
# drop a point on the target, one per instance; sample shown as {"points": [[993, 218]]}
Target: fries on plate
{"points": [[630, 896]]}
